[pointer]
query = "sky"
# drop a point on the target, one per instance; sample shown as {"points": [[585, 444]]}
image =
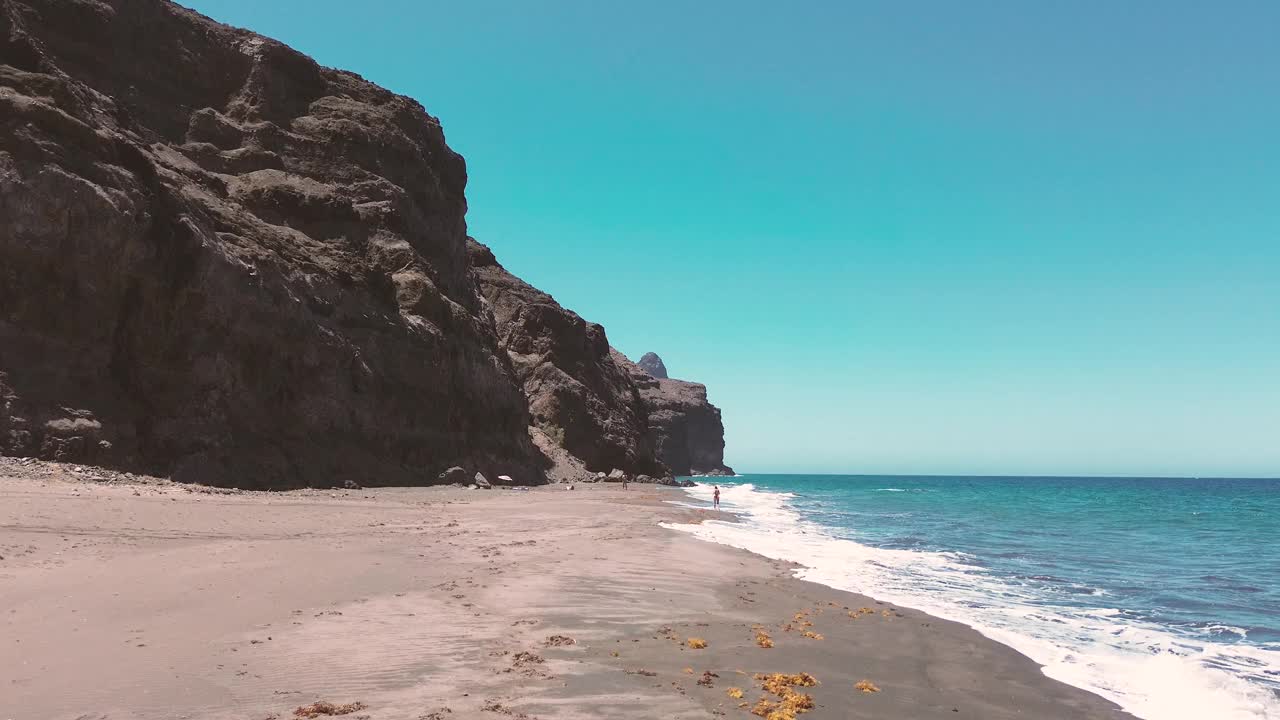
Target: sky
{"points": [[890, 237]]}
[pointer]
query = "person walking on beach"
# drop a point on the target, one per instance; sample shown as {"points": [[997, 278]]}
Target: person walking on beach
{"points": [[715, 498]]}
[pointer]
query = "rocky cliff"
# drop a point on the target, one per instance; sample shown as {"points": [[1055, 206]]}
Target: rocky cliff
{"points": [[580, 396], [685, 428], [221, 261], [224, 263]]}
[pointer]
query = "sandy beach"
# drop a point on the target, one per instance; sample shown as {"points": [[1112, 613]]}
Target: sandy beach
{"points": [[152, 600]]}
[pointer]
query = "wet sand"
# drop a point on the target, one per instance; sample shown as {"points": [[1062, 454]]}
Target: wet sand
{"points": [[158, 601]]}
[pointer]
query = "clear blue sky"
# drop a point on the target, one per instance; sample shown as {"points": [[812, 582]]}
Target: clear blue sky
{"points": [[909, 237]]}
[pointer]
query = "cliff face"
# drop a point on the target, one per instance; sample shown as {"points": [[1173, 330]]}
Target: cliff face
{"points": [[580, 397], [221, 261], [685, 428]]}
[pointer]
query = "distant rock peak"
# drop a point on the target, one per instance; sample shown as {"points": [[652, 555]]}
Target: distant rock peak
{"points": [[685, 429], [653, 365]]}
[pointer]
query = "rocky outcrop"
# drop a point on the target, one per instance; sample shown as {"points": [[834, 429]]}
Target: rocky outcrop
{"points": [[685, 428], [581, 399], [652, 364], [222, 262], [560, 464]]}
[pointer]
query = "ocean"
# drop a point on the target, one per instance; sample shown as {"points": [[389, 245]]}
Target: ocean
{"points": [[1162, 595]]}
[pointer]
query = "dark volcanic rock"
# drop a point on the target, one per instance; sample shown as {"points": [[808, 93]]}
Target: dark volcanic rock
{"points": [[221, 261], [652, 364], [581, 399], [685, 428]]}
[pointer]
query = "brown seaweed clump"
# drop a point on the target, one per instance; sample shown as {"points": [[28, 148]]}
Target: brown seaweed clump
{"points": [[524, 658], [785, 709], [695, 643], [866, 686], [797, 702], [324, 707], [777, 682], [800, 621], [790, 702], [734, 692]]}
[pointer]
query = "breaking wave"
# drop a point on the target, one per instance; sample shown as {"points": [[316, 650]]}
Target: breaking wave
{"points": [[1143, 667]]}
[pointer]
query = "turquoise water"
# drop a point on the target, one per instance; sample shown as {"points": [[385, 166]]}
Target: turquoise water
{"points": [[1160, 594]]}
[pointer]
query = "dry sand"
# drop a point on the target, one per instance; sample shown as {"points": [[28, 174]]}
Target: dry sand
{"points": [[159, 601]]}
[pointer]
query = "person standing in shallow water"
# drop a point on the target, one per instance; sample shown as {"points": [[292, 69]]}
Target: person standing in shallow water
{"points": [[715, 498]]}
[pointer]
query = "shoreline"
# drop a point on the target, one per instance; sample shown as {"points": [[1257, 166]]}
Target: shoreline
{"points": [[1147, 669], [156, 600]]}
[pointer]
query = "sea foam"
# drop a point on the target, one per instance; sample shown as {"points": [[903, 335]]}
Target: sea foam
{"points": [[1144, 669]]}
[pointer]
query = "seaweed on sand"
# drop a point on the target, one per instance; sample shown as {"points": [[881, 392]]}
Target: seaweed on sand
{"points": [[764, 707], [525, 658], [776, 683], [763, 639], [324, 707], [797, 701], [790, 703]]}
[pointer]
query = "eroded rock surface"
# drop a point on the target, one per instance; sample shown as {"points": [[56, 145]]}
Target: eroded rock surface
{"points": [[580, 397], [685, 429], [222, 262]]}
